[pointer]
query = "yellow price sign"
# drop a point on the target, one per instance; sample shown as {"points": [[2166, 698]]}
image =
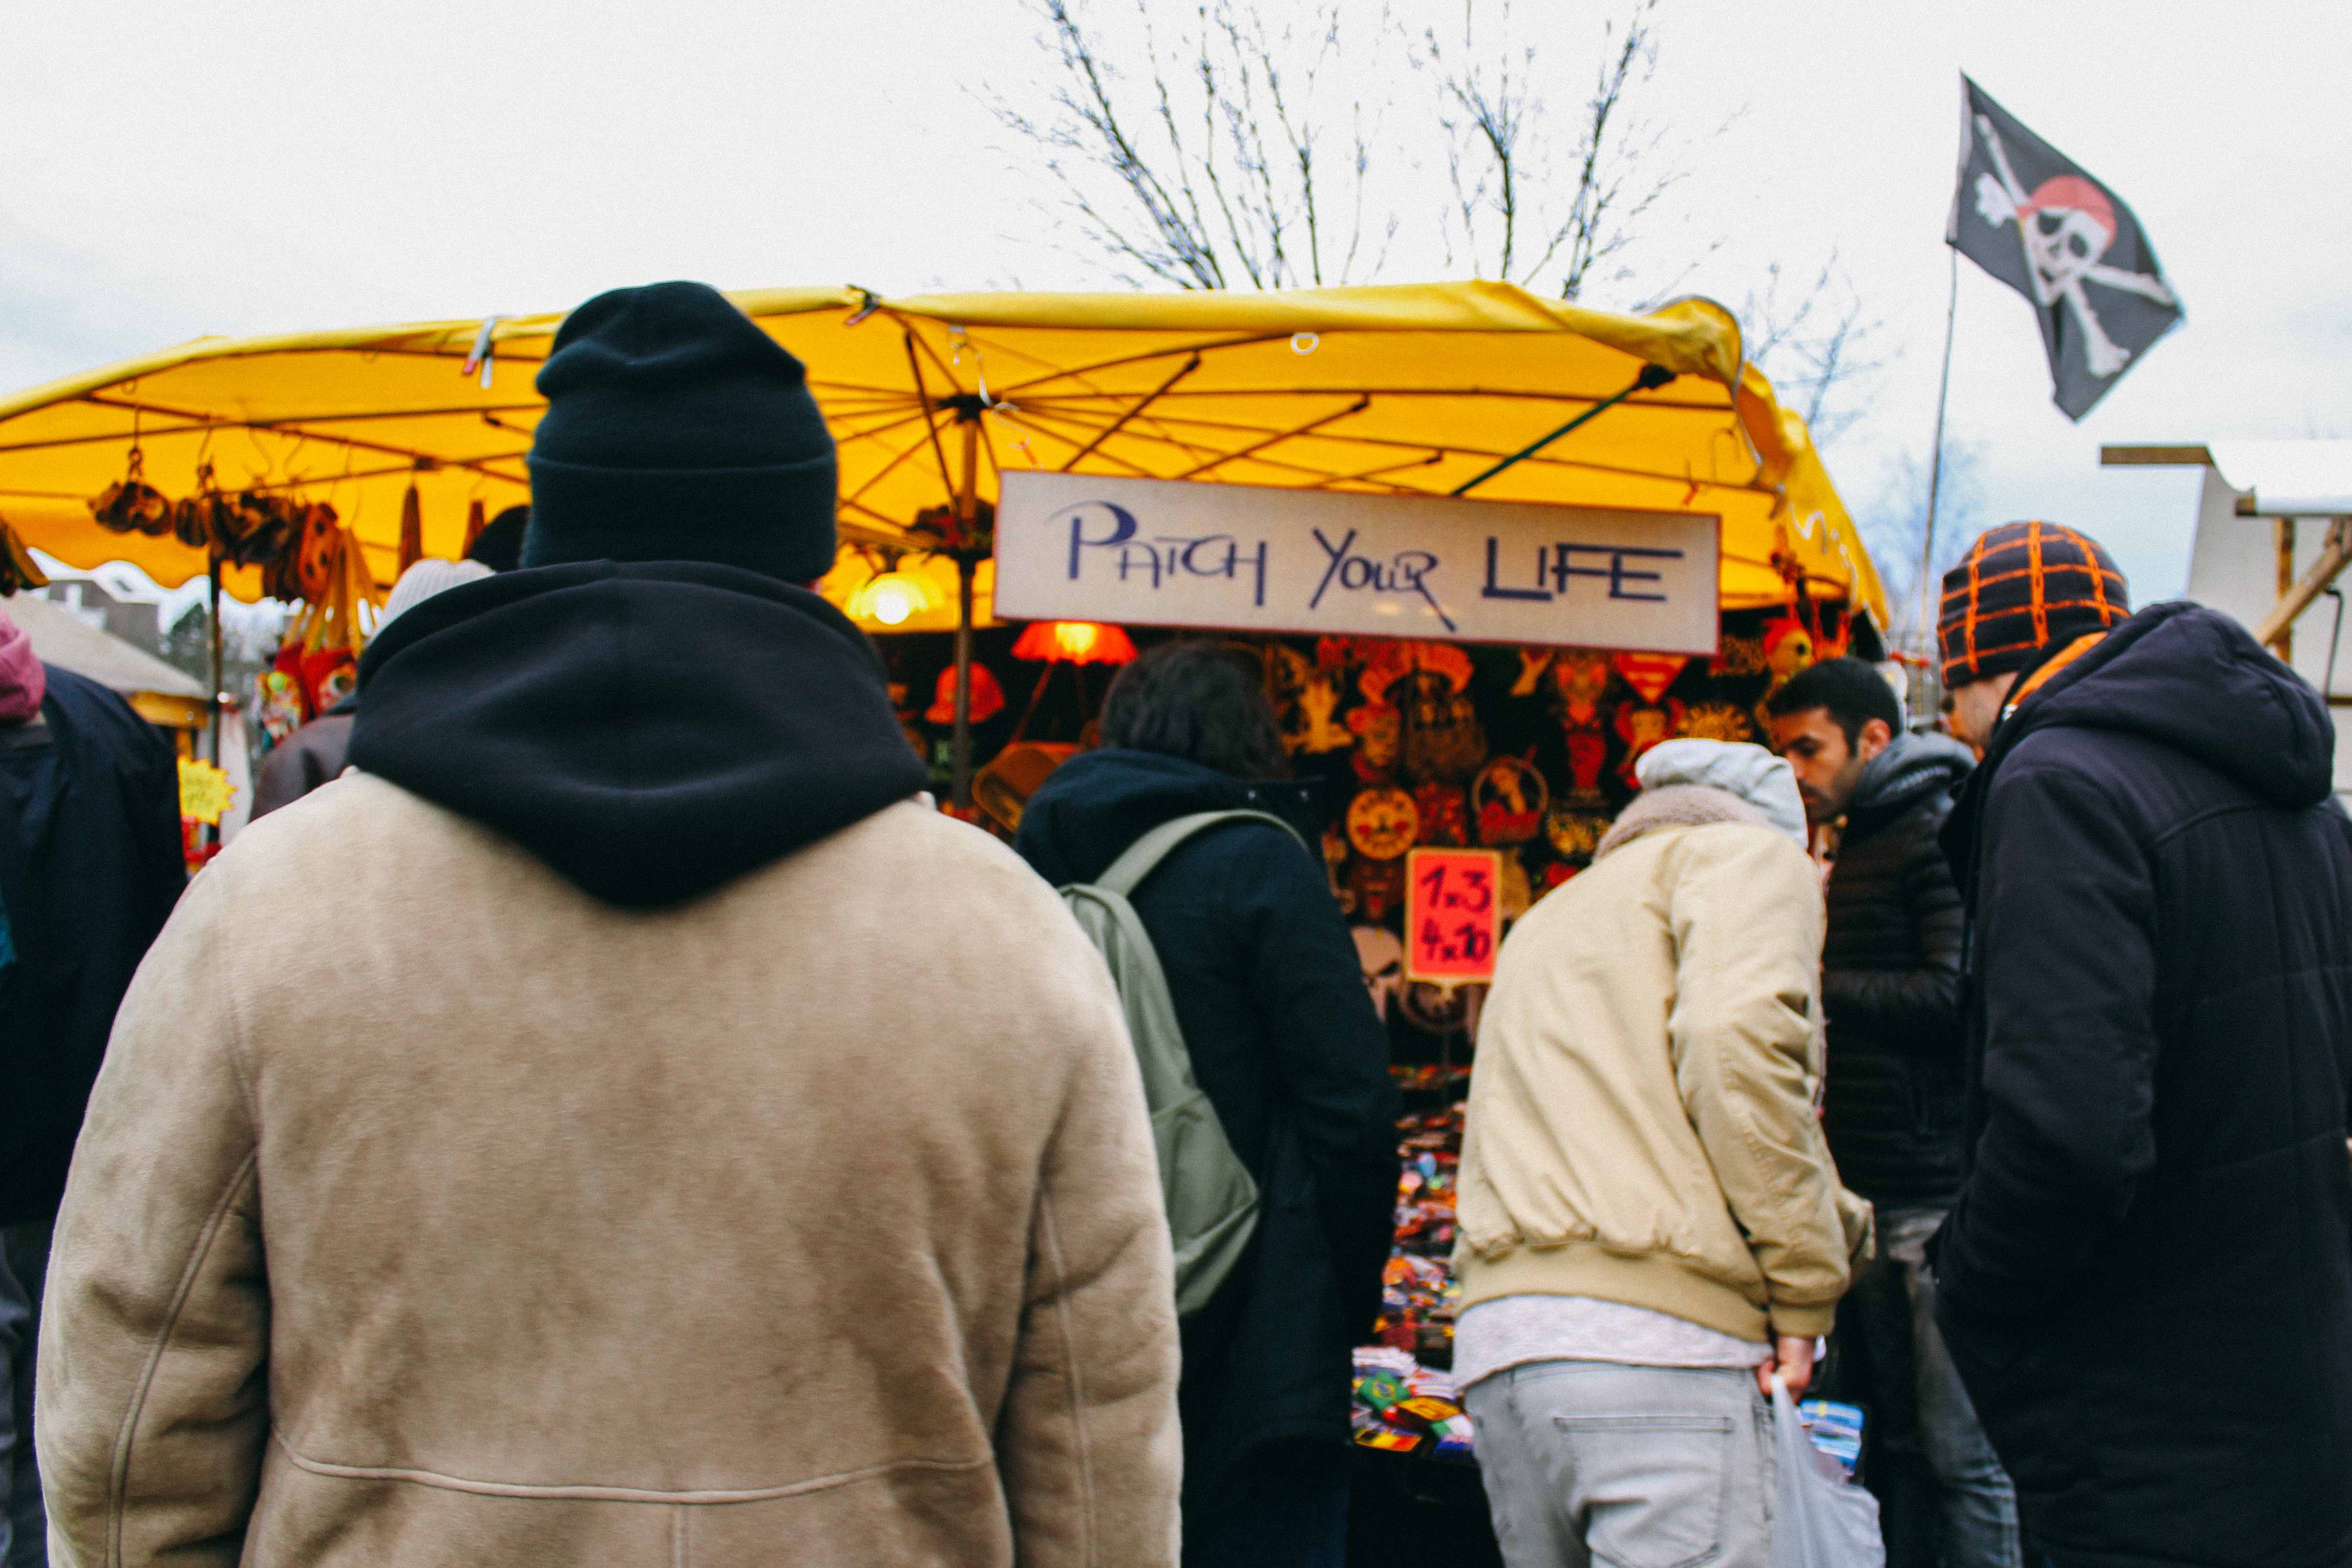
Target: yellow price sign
{"points": [[204, 792]]}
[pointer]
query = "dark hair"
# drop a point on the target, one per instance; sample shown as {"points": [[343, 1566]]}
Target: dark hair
{"points": [[1195, 700], [1852, 691], [499, 545]]}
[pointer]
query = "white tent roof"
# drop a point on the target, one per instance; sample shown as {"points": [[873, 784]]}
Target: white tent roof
{"points": [[2289, 478], [65, 639]]}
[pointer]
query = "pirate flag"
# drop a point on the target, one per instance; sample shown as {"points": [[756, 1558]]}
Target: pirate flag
{"points": [[2029, 216]]}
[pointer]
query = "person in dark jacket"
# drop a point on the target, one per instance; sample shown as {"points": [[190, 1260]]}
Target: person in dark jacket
{"points": [[317, 753], [1894, 1100], [89, 867], [1286, 1044], [2147, 1280]]}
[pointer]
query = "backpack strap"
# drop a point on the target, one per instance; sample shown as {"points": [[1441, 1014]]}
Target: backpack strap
{"points": [[1143, 857]]}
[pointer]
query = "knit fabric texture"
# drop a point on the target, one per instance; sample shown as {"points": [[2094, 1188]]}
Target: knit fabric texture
{"points": [[2023, 587], [426, 578], [676, 431]]}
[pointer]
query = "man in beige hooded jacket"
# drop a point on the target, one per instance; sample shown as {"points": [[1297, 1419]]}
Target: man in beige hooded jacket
{"points": [[620, 1125], [1651, 1223]]}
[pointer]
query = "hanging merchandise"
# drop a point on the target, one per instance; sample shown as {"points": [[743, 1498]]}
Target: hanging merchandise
{"points": [[1436, 1009], [1737, 656], [1381, 954], [1384, 664], [1335, 861], [1444, 742], [1376, 886], [1309, 728], [1641, 725], [1578, 678], [17, 569], [130, 505], [987, 697], [1575, 835], [412, 528], [1518, 894], [1789, 652], [1444, 814], [1379, 730], [1649, 673], [1716, 721], [1286, 671], [1509, 796], [1383, 823], [281, 712], [320, 654]]}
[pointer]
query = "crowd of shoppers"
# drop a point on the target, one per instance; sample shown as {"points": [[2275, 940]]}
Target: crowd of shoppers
{"points": [[691, 1147]]}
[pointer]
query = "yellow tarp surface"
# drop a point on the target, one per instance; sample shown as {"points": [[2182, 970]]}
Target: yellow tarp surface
{"points": [[1383, 390]]}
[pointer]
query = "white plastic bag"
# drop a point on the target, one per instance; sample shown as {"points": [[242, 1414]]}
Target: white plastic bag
{"points": [[1820, 1519]]}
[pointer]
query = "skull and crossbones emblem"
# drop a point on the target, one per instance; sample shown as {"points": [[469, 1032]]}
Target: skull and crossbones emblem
{"points": [[2066, 226]]}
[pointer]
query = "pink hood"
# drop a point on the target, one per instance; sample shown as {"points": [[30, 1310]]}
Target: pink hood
{"points": [[22, 679]]}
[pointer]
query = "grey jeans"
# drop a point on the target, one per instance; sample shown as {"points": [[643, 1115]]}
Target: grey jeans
{"points": [[1640, 1467], [1943, 1495]]}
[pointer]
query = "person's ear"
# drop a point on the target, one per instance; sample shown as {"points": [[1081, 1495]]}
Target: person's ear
{"points": [[1875, 737]]}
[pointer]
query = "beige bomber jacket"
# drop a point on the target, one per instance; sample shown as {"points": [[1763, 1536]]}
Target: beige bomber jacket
{"points": [[1641, 1124], [431, 1212]]}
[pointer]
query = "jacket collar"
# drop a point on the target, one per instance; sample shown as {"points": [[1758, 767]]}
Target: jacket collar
{"points": [[1678, 806]]}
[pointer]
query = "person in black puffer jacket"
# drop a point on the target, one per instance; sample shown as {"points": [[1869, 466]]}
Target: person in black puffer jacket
{"points": [[2147, 1280], [1285, 1042], [1895, 1102]]}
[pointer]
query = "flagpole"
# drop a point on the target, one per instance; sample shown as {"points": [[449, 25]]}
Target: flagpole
{"points": [[1935, 463]]}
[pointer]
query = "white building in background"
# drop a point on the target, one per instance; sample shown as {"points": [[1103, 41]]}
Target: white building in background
{"points": [[2272, 515]]}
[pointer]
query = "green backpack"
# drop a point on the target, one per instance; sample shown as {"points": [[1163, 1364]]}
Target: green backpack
{"points": [[1211, 1198]]}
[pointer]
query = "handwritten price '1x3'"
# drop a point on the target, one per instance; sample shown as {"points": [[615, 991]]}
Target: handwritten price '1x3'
{"points": [[1453, 919]]}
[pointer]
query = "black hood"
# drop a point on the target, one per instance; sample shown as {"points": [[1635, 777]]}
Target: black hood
{"points": [[2193, 680], [1911, 768], [2184, 676], [651, 730], [1097, 803]]}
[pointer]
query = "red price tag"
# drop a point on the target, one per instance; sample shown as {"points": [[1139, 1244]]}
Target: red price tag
{"points": [[1452, 914]]}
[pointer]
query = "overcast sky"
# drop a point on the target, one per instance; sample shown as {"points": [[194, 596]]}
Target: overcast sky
{"points": [[171, 171]]}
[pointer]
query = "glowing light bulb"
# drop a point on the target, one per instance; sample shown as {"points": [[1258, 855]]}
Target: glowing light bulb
{"points": [[891, 599]]}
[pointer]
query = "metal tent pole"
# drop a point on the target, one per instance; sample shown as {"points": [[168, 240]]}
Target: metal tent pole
{"points": [[967, 497], [213, 604], [1928, 585]]}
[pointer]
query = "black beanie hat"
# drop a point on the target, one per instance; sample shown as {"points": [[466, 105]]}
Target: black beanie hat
{"points": [[2025, 587], [676, 431]]}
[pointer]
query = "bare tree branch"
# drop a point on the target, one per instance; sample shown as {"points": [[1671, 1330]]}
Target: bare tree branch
{"points": [[1814, 347], [1233, 182], [1894, 524]]}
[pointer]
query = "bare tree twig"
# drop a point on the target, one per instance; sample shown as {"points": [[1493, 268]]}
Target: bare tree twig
{"points": [[1231, 183]]}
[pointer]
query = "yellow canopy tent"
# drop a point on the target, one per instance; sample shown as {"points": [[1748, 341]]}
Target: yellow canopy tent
{"points": [[1409, 389]]}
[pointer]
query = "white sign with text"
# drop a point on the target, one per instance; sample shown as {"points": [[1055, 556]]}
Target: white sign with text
{"points": [[1173, 553]]}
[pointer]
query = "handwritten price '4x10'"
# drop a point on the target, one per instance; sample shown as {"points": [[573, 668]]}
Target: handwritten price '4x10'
{"points": [[1452, 915]]}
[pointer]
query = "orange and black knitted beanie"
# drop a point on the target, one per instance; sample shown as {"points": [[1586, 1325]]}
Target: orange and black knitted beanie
{"points": [[2025, 587]]}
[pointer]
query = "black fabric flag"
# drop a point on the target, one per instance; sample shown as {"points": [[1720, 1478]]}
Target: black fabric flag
{"points": [[2027, 214]]}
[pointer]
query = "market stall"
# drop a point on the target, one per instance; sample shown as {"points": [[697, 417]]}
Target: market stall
{"points": [[1486, 548], [412, 435]]}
